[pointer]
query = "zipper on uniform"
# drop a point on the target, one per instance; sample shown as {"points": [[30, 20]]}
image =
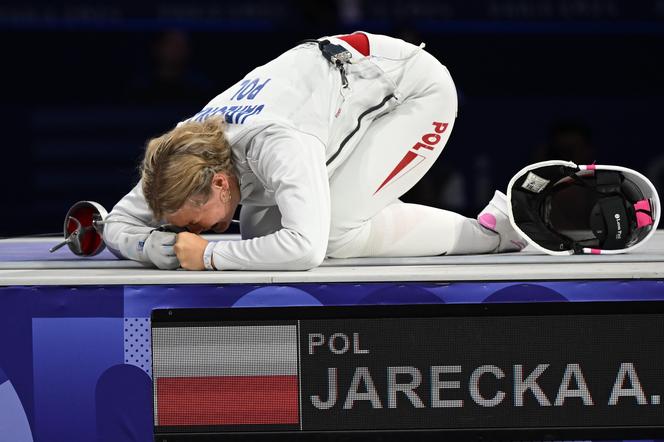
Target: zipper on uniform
{"points": [[357, 127]]}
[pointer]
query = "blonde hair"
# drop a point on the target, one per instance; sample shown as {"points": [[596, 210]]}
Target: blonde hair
{"points": [[179, 165]]}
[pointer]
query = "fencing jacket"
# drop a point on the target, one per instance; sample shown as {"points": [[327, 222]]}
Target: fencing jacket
{"points": [[290, 124]]}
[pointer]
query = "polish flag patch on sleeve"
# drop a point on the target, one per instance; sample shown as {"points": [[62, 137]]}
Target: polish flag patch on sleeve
{"points": [[225, 375]]}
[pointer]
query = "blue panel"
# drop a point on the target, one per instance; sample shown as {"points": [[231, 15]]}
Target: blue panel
{"points": [[632, 290], [124, 405], [400, 294], [14, 425], [341, 294], [525, 292], [137, 343], [19, 305], [83, 301], [268, 296], [140, 300], [3, 377], [16, 341], [69, 356], [78, 332], [466, 292]]}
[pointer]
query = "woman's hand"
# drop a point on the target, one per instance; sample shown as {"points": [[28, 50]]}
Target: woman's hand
{"points": [[189, 248]]}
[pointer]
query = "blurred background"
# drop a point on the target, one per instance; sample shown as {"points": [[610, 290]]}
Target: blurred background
{"points": [[86, 83]]}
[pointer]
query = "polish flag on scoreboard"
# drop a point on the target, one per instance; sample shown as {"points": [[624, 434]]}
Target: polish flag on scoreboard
{"points": [[225, 375]]}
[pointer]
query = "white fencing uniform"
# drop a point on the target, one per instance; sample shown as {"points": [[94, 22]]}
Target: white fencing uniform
{"points": [[321, 166]]}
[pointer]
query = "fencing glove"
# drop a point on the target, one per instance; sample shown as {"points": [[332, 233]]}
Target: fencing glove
{"points": [[158, 248]]}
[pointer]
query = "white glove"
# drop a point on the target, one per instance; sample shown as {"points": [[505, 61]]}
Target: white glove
{"points": [[158, 248]]}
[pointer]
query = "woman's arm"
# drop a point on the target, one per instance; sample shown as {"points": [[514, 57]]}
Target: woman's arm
{"points": [[292, 165], [128, 226]]}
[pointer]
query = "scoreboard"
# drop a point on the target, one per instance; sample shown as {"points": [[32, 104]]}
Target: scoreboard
{"points": [[485, 372]]}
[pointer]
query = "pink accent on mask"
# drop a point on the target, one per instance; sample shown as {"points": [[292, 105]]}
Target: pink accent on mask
{"points": [[642, 205], [488, 221], [642, 219]]}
